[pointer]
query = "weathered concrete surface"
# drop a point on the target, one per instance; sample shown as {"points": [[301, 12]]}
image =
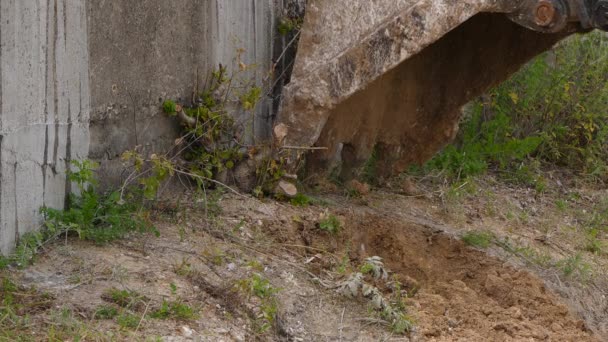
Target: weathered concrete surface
{"points": [[369, 81], [143, 52], [44, 108]]}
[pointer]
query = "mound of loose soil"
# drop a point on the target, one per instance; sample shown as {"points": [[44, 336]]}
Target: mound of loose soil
{"points": [[463, 294]]}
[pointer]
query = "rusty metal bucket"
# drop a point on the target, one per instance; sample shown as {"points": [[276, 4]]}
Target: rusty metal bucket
{"points": [[392, 76]]}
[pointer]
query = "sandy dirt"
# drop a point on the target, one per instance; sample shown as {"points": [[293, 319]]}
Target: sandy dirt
{"points": [[454, 292]]}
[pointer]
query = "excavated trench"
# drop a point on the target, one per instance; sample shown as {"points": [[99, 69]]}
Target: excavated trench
{"points": [[454, 292], [461, 293]]}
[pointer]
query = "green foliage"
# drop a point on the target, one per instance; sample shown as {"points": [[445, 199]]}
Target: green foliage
{"points": [[260, 287], [16, 303], [161, 169], [478, 239], [65, 326], [91, 216], [330, 224], [369, 172], [367, 268], [593, 243], [553, 110], [123, 298], [8, 306], [401, 324], [250, 99], [287, 25], [483, 144], [170, 107], [94, 217], [174, 310], [575, 266], [269, 172], [184, 268], [105, 312], [561, 205], [128, 321], [597, 219], [301, 200], [210, 145]]}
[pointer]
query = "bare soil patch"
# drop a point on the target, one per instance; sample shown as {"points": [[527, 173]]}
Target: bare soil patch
{"points": [[454, 292]]}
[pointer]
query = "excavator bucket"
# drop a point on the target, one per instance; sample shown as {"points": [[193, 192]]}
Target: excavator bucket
{"points": [[391, 76]]}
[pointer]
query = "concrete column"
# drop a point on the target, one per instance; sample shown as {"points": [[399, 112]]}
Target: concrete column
{"points": [[44, 107], [245, 31]]}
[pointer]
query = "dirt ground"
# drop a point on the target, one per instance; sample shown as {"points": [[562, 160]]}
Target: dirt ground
{"points": [[217, 265]]}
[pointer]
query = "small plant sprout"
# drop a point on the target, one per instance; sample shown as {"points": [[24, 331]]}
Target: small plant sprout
{"points": [[330, 223], [123, 298], [375, 267], [391, 309], [128, 320], [261, 288], [301, 200], [478, 239], [105, 312], [174, 310], [575, 267]]}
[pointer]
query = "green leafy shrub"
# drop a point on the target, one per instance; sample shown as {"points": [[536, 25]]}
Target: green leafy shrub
{"points": [[94, 217], [209, 144], [484, 144], [91, 216], [553, 110]]}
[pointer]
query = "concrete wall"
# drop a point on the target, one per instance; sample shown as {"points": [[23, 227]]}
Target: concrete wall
{"points": [[143, 52], [44, 106], [62, 60]]}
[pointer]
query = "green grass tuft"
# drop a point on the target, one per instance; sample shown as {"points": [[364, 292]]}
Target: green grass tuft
{"points": [[478, 239]]}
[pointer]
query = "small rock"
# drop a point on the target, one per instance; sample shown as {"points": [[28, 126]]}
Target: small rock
{"points": [[452, 323], [555, 327], [280, 132], [515, 312], [239, 337], [244, 176], [361, 188], [187, 332], [409, 188], [287, 189]]}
